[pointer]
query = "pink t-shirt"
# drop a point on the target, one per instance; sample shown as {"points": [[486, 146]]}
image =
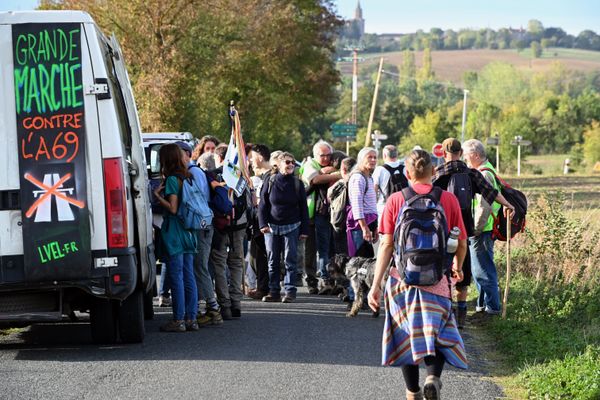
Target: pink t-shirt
{"points": [[453, 218]]}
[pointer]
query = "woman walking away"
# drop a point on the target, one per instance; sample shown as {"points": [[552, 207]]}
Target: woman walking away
{"points": [[283, 219], [419, 324], [179, 243]]}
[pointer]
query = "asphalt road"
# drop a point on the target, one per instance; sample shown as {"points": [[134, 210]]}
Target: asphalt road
{"points": [[303, 350]]}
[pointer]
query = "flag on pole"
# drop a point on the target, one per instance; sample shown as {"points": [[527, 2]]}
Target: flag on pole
{"points": [[235, 166]]}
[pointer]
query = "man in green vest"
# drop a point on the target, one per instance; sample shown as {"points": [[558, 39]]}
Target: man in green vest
{"points": [[481, 245], [318, 175]]}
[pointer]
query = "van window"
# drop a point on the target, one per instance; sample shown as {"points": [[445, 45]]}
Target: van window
{"points": [[117, 95], [154, 161]]}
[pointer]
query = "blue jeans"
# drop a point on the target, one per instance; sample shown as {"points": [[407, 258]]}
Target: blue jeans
{"points": [[164, 287], [289, 244], [484, 272], [323, 238], [183, 286], [206, 289]]}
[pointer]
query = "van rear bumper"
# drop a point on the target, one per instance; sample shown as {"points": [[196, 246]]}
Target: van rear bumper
{"points": [[111, 282]]}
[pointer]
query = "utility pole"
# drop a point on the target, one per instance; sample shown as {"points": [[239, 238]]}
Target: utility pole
{"points": [[372, 115], [464, 116], [354, 87]]}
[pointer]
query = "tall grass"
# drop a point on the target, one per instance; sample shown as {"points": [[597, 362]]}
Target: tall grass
{"points": [[552, 335]]}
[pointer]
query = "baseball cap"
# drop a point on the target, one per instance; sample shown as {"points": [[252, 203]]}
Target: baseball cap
{"points": [[185, 147], [451, 145]]}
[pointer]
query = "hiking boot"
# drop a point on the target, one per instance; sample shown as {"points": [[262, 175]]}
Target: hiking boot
{"points": [[325, 290], [336, 290], [256, 294], [288, 299], [226, 313], [432, 388], [173, 326], [191, 325], [236, 312], [313, 290], [461, 317], [164, 301], [211, 317], [270, 298], [414, 396]]}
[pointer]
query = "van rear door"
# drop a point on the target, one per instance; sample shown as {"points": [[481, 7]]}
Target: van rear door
{"points": [[51, 141]]}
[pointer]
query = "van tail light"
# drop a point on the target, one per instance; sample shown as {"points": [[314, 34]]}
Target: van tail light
{"points": [[116, 207]]}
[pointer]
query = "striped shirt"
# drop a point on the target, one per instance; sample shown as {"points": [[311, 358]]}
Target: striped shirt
{"points": [[361, 193]]}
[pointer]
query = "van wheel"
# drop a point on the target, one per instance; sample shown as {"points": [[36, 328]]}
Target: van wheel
{"points": [[103, 322], [148, 305], [131, 318]]}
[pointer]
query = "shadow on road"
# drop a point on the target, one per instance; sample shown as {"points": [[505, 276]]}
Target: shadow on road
{"points": [[313, 330]]}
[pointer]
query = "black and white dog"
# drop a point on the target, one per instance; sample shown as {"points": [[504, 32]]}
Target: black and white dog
{"points": [[360, 271]]}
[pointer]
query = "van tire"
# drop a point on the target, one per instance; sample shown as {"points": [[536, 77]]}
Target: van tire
{"points": [[103, 321], [131, 318], [149, 305]]}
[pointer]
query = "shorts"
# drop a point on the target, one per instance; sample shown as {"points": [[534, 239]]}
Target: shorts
{"points": [[467, 275]]}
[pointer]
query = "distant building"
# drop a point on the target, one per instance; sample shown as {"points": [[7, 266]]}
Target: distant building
{"points": [[355, 28]]}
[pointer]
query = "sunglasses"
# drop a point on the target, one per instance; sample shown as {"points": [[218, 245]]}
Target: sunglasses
{"points": [[288, 162]]}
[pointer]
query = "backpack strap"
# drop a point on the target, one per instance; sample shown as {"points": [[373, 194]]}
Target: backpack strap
{"points": [[408, 193], [499, 180], [436, 194]]}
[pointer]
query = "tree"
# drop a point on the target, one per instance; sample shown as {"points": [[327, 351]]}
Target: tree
{"points": [[535, 29], [435, 38], [536, 49], [450, 40], [591, 143], [188, 58], [425, 73], [409, 69], [423, 132]]}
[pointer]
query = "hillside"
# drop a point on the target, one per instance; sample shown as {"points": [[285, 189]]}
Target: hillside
{"points": [[449, 65]]}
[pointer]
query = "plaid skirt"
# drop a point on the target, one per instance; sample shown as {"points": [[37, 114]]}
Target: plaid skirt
{"points": [[417, 323]]}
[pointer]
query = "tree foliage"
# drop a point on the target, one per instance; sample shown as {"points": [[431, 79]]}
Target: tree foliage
{"points": [[188, 58]]}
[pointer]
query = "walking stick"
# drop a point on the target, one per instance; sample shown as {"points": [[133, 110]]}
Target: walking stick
{"points": [[505, 299]]}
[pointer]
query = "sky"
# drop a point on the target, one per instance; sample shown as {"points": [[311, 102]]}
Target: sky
{"points": [[405, 16]]}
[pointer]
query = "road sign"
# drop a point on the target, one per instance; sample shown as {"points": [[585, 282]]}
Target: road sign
{"points": [[341, 130], [493, 141], [379, 136], [437, 150], [521, 142]]}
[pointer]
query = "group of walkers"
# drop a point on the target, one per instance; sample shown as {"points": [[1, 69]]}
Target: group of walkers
{"points": [[291, 213]]}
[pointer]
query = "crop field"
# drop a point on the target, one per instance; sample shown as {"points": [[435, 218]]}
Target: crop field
{"points": [[450, 65]]}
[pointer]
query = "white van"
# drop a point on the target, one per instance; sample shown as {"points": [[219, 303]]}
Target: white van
{"points": [[75, 219]]}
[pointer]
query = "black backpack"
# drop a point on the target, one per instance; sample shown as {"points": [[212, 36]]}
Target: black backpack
{"points": [[519, 201], [420, 238], [340, 203], [459, 184], [397, 180]]}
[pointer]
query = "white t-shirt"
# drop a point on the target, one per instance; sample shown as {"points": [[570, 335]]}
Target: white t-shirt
{"points": [[381, 177]]}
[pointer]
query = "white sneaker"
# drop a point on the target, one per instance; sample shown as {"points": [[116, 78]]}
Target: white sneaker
{"points": [[164, 301]]}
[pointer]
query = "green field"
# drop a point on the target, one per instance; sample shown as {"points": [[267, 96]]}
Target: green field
{"points": [[557, 53]]}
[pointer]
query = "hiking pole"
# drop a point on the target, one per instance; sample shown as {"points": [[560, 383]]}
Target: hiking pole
{"points": [[505, 299]]}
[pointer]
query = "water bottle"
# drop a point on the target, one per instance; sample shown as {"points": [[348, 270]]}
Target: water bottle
{"points": [[452, 244]]}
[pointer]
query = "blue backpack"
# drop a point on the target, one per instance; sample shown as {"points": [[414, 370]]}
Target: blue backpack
{"points": [[420, 238], [192, 207]]}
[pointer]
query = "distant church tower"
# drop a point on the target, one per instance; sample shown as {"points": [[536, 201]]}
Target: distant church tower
{"points": [[358, 19], [355, 27]]}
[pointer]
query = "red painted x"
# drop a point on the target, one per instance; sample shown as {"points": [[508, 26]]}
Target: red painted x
{"points": [[50, 191]]}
